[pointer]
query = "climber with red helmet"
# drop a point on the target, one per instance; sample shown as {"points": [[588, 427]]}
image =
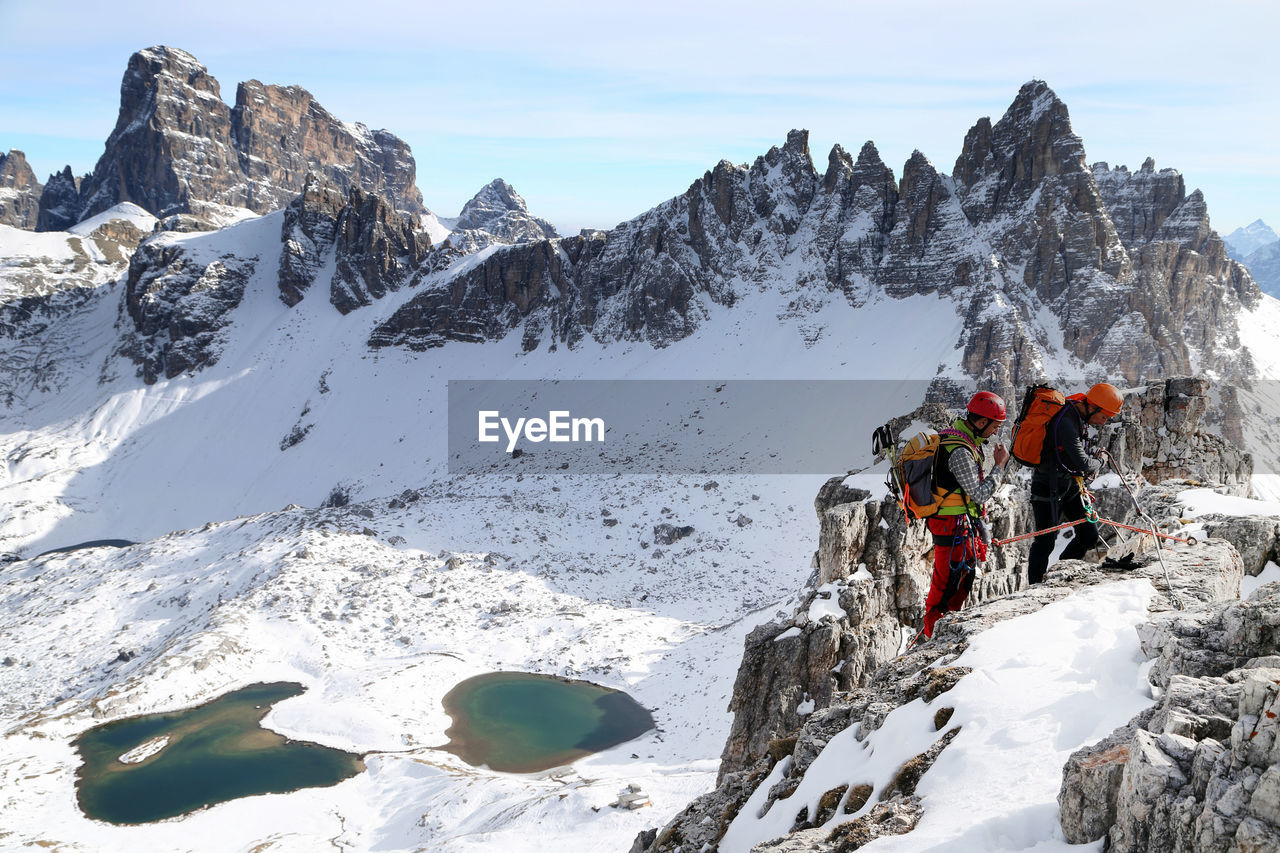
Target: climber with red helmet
{"points": [[959, 536], [1055, 495]]}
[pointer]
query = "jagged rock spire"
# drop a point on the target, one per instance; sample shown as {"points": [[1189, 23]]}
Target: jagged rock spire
{"points": [[19, 206]]}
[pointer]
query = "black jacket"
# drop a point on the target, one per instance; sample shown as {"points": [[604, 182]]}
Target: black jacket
{"points": [[1063, 457]]}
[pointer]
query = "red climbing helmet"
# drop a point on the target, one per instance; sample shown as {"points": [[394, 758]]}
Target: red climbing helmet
{"points": [[984, 404]]}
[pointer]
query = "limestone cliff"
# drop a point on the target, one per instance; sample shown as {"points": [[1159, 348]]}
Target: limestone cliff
{"points": [[178, 147], [19, 191]]}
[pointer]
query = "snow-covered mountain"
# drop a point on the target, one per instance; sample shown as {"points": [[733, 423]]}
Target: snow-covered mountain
{"points": [[1248, 239], [186, 387], [1264, 266], [1258, 248]]}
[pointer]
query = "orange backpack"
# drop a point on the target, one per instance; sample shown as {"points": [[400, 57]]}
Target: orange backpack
{"points": [[1039, 405]]}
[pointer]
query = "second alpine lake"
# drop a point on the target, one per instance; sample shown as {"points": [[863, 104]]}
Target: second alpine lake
{"points": [[520, 722]]}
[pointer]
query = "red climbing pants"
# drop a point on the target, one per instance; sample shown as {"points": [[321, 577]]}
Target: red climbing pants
{"points": [[953, 562]]}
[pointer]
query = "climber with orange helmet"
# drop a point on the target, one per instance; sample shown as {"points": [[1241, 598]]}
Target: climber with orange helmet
{"points": [[959, 537], [1055, 495]]}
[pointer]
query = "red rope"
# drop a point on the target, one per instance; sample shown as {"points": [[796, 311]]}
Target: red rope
{"points": [[1188, 541]]}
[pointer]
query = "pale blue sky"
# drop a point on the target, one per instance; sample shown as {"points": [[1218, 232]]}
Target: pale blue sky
{"points": [[597, 112]]}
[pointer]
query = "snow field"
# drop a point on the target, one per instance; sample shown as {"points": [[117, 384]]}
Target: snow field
{"points": [[378, 632]]}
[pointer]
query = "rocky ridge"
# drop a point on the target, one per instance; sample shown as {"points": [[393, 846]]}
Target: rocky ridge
{"points": [[1210, 572], [374, 248], [1201, 770], [1022, 229], [1021, 225], [178, 148], [836, 660], [1161, 434]]}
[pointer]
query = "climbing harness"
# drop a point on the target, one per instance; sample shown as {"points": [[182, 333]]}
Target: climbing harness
{"points": [[1086, 500], [1091, 515], [963, 542]]}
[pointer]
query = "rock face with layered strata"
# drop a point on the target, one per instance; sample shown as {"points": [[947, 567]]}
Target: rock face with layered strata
{"points": [[177, 147], [19, 191], [374, 248]]}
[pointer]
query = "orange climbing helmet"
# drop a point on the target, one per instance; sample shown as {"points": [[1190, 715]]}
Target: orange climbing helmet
{"points": [[1106, 397]]}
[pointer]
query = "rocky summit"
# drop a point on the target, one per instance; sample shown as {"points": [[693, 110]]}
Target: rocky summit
{"points": [[497, 214], [178, 148]]}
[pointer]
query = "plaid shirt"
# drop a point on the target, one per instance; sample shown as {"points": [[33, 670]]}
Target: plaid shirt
{"points": [[969, 476]]}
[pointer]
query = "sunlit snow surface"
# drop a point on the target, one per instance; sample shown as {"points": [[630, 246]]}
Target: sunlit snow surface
{"points": [[1042, 686]]}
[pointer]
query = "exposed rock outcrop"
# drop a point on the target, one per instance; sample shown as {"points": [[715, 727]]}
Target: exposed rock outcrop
{"points": [[60, 202], [374, 249], [1139, 202], [1208, 572], [19, 191], [873, 569], [1164, 433], [177, 147], [180, 305], [1200, 772]]}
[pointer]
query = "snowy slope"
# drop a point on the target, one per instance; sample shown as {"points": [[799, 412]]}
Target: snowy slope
{"points": [[368, 605], [1042, 686]]}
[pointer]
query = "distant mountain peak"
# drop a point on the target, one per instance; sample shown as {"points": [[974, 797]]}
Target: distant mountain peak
{"points": [[499, 211], [494, 199], [1243, 242]]}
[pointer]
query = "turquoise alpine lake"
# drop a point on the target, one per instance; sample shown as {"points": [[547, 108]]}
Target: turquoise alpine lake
{"points": [[157, 766], [520, 722]]}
